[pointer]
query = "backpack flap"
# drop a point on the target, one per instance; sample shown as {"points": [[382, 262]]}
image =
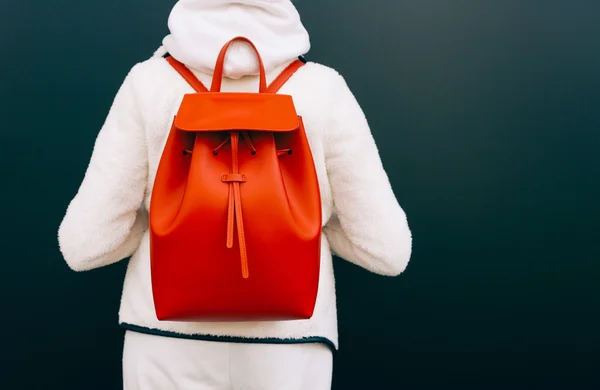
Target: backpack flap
{"points": [[226, 111]]}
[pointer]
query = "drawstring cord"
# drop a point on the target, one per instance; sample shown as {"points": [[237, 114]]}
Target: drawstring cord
{"points": [[245, 137], [234, 207]]}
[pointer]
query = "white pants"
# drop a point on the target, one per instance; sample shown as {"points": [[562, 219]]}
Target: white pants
{"points": [[165, 363]]}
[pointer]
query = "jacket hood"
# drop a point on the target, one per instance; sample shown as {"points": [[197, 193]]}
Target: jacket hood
{"points": [[200, 28]]}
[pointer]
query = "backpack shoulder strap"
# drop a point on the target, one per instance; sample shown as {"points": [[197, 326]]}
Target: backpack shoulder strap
{"points": [[187, 74], [285, 76]]}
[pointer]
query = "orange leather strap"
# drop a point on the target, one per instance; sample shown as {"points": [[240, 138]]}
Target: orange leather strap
{"points": [[275, 85], [218, 74], [234, 209], [284, 76], [187, 75]]}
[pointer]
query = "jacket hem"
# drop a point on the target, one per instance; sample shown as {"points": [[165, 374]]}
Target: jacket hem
{"points": [[229, 339]]}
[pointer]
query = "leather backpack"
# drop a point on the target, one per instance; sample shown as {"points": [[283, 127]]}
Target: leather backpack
{"points": [[235, 211]]}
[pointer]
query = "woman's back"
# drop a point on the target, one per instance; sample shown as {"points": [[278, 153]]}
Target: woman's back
{"points": [[107, 220]]}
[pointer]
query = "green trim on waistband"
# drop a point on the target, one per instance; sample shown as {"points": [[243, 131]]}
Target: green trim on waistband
{"points": [[229, 339]]}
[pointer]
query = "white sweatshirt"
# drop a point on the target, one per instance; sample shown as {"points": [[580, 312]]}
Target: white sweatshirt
{"points": [[107, 219]]}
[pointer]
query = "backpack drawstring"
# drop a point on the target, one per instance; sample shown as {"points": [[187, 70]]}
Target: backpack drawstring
{"points": [[234, 209], [247, 141], [245, 137]]}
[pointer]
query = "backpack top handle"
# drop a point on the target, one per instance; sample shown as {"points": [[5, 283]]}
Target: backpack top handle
{"points": [[218, 75]]}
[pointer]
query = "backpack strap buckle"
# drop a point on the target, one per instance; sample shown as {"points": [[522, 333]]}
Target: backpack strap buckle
{"points": [[233, 177]]}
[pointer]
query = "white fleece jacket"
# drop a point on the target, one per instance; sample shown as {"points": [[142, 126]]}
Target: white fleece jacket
{"points": [[107, 219]]}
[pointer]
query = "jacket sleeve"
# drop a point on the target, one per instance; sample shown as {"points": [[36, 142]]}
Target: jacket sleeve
{"points": [[368, 226], [105, 221]]}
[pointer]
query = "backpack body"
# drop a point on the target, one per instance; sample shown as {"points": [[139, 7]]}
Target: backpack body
{"points": [[235, 210]]}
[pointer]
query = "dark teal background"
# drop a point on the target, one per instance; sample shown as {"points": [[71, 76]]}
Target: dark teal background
{"points": [[487, 115]]}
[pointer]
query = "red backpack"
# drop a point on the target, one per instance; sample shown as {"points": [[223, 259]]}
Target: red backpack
{"points": [[235, 211]]}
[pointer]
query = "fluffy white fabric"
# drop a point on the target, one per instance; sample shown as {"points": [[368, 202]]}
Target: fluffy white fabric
{"points": [[200, 28], [107, 219], [161, 363]]}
